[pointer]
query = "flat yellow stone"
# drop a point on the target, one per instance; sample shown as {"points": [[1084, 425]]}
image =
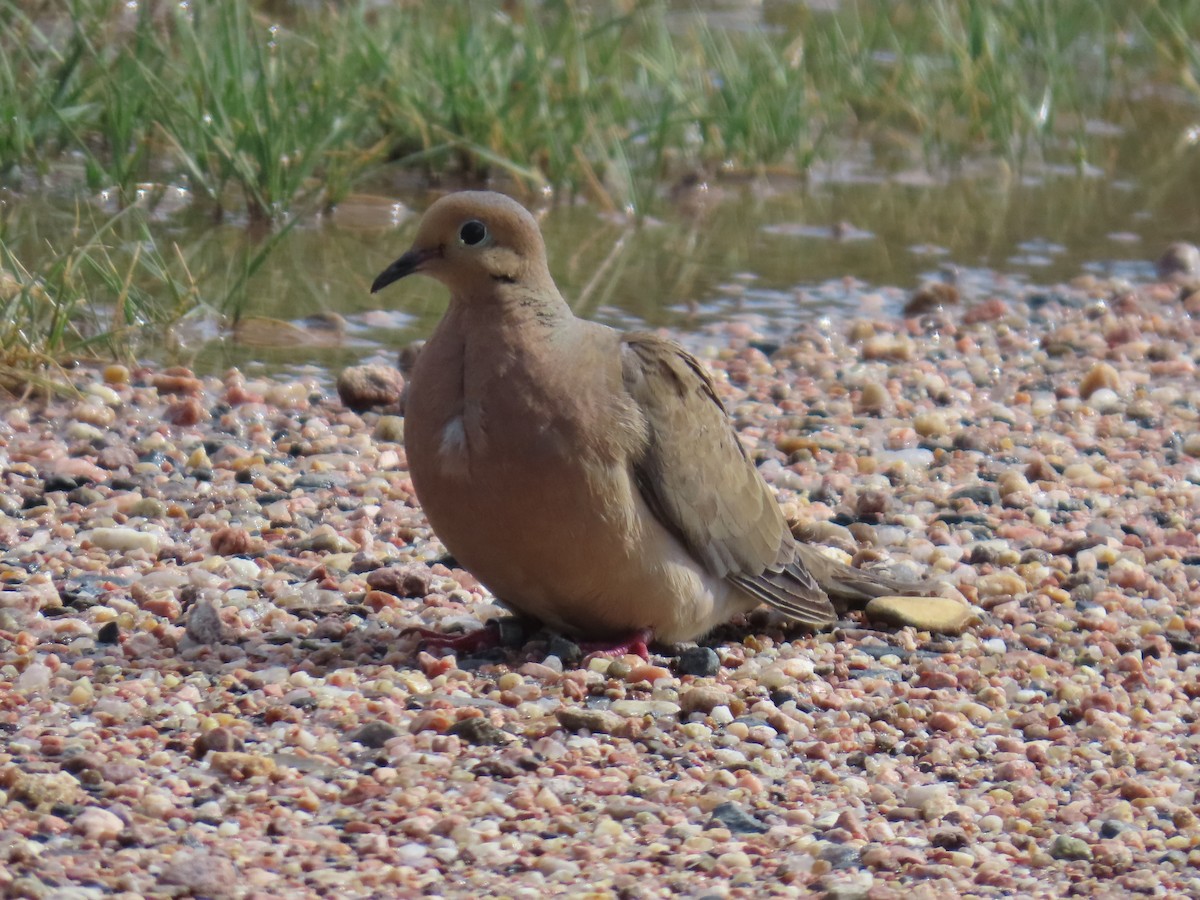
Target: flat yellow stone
{"points": [[939, 614]]}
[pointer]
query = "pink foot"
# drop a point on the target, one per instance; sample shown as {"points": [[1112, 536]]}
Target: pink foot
{"points": [[485, 638], [634, 643]]}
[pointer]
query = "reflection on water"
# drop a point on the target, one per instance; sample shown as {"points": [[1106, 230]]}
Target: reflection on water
{"points": [[776, 249]]}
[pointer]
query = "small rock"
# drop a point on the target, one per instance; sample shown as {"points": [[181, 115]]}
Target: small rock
{"points": [[86, 496], [738, 820], [847, 890], [1180, 260], [41, 792], [230, 541], [326, 540], [201, 874], [637, 708], [1101, 375], [1111, 828], [938, 614], [116, 374], [401, 581], [859, 331], [887, 347], [479, 731], [148, 508], [618, 668], [406, 360], [117, 457], [841, 856], [122, 540], [870, 506], [390, 429], [874, 399], [97, 824], [84, 432], [318, 481], [565, 649], [982, 494], [370, 386], [56, 483], [929, 297], [931, 424], [704, 699], [1104, 400], [1067, 847], [185, 412], [204, 624], [374, 734], [702, 662], [216, 740], [177, 380], [987, 311], [597, 721], [241, 765]]}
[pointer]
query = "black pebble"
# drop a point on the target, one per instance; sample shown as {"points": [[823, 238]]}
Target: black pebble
{"points": [[566, 650], [700, 661], [479, 731], [737, 819], [374, 734]]}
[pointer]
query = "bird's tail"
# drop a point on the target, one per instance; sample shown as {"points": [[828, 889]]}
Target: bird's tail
{"points": [[851, 588]]}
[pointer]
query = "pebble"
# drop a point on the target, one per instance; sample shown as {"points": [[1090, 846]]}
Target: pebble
{"points": [[936, 614], [1101, 376], [96, 824], [704, 699], [703, 662], [390, 429], [241, 765], [218, 740], [479, 731], [251, 706], [200, 873], [374, 734], [1068, 847], [123, 540], [370, 387], [1180, 260], [598, 721], [737, 819]]}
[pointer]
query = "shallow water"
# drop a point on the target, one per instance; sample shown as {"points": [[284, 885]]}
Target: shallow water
{"points": [[780, 249]]}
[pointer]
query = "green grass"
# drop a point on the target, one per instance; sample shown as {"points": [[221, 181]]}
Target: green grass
{"points": [[112, 289], [264, 116], [100, 295], [269, 116]]}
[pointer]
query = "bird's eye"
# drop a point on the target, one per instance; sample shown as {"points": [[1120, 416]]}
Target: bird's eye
{"points": [[473, 232]]}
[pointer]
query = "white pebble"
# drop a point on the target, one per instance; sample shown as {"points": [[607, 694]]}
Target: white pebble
{"points": [[122, 540], [721, 715], [1104, 400]]}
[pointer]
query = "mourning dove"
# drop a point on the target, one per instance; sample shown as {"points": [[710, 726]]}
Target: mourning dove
{"points": [[590, 479]]}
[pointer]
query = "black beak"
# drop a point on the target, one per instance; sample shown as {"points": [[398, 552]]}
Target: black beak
{"points": [[407, 264]]}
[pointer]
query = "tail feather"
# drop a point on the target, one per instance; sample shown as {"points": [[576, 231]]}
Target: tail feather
{"points": [[848, 587]]}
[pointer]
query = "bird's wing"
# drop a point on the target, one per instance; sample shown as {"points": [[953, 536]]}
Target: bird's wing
{"points": [[695, 476]]}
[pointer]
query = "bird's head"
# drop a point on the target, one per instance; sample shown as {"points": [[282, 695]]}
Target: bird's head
{"points": [[474, 242]]}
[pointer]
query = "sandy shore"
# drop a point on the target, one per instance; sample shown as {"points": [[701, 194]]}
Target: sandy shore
{"points": [[204, 689]]}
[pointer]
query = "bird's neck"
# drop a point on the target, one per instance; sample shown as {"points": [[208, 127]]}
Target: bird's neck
{"points": [[519, 310]]}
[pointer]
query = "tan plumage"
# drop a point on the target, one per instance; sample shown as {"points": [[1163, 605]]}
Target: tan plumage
{"points": [[590, 479]]}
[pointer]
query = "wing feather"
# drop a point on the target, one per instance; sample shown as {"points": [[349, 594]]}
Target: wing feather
{"points": [[695, 476]]}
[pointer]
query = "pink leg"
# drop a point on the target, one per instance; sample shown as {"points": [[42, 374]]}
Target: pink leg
{"points": [[634, 643], [485, 638]]}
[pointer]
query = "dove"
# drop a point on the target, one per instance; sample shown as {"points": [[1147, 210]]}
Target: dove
{"points": [[590, 479]]}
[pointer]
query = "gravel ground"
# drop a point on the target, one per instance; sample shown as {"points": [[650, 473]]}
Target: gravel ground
{"points": [[205, 689]]}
